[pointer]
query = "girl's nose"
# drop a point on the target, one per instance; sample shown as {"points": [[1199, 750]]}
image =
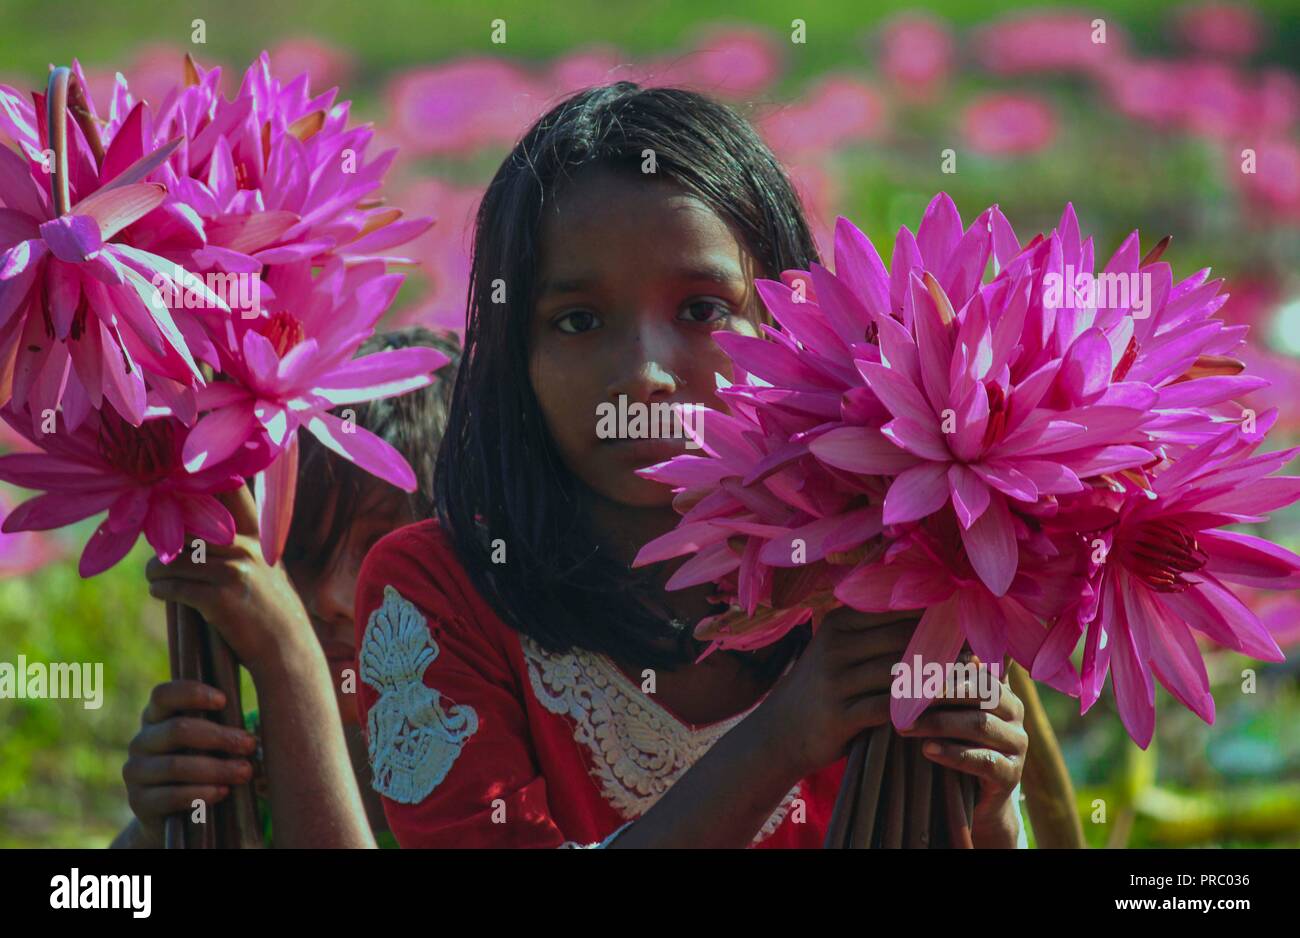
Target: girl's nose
{"points": [[648, 370], [332, 597], [648, 380]]}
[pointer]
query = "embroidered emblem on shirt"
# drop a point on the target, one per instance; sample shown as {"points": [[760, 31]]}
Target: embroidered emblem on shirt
{"points": [[413, 739], [638, 748]]}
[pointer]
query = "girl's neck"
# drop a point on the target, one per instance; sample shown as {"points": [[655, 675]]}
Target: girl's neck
{"points": [[622, 530]]}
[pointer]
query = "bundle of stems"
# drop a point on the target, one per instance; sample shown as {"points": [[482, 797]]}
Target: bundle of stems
{"points": [[199, 653], [893, 797]]}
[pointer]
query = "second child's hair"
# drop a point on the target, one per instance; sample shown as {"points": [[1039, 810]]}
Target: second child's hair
{"points": [[500, 481], [411, 423]]}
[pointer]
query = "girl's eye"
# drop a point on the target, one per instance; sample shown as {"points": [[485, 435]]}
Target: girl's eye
{"points": [[705, 311], [580, 320]]}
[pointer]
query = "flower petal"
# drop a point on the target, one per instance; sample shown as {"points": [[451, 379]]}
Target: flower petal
{"points": [[991, 546], [916, 493]]}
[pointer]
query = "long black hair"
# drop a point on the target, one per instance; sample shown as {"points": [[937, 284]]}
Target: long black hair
{"points": [[499, 480]]}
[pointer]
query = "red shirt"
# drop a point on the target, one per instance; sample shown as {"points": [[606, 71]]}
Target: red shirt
{"points": [[480, 738]]}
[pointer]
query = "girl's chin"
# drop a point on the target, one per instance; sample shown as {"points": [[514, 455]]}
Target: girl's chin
{"points": [[635, 492]]}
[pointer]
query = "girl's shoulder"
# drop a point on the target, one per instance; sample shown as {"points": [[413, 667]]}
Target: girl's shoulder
{"points": [[417, 567]]}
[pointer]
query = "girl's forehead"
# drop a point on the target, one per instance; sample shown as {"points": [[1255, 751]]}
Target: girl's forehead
{"points": [[605, 216]]}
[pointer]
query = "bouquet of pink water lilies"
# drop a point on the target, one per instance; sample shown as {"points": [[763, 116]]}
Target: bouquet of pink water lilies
{"points": [[1041, 456], [184, 286]]}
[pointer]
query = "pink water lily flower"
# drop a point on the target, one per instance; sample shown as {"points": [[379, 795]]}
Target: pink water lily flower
{"points": [[1166, 569], [1160, 334], [80, 318], [133, 472], [276, 173], [289, 368], [761, 517], [925, 569], [968, 423]]}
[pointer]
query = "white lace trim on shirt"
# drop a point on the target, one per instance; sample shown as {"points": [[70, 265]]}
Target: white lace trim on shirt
{"points": [[638, 749], [413, 740]]}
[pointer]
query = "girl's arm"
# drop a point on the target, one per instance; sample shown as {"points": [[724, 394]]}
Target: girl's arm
{"points": [[726, 797], [314, 797]]}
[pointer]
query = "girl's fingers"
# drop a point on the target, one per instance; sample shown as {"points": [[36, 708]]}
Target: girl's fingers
{"points": [[196, 593], [993, 767], [181, 568], [176, 696], [967, 694], [976, 726], [868, 711], [872, 676], [851, 620], [158, 801], [181, 733], [886, 641], [243, 509], [176, 769]]}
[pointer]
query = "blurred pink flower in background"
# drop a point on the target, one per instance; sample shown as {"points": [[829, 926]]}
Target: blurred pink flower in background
{"points": [[1252, 303], [1274, 187], [1283, 375], [1275, 104], [916, 52], [1144, 90], [1217, 98], [1041, 41], [25, 551], [729, 62], [820, 191], [1280, 614], [837, 111], [462, 106], [1008, 124], [1225, 29], [1212, 99], [152, 73], [588, 68], [328, 65], [443, 252]]}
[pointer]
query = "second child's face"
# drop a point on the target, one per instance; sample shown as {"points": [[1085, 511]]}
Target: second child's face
{"points": [[329, 594], [636, 275]]}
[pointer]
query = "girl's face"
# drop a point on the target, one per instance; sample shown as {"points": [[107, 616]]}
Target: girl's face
{"points": [[636, 275], [329, 594]]}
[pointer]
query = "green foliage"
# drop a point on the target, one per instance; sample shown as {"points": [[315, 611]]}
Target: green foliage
{"points": [[61, 764]]}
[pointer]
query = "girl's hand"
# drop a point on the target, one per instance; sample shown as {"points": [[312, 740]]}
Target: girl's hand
{"points": [[162, 776], [253, 605], [989, 744], [838, 687]]}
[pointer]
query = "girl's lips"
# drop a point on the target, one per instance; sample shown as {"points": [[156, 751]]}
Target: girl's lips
{"points": [[651, 451]]}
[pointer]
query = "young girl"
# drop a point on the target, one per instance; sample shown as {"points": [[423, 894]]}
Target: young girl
{"points": [[521, 685], [291, 626]]}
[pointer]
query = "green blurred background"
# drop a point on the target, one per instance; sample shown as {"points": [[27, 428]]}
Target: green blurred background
{"points": [[1236, 783]]}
